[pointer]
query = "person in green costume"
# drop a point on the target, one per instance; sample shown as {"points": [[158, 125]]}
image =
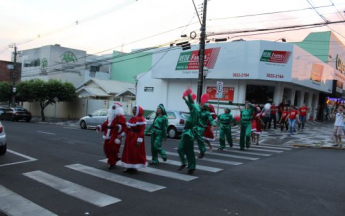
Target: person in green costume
{"points": [[205, 118], [158, 131], [246, 125], [225, 121], [190, 131]]}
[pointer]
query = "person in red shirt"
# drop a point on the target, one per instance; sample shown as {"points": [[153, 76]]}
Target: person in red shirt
{"points": [[283, 121], [281, 108], [302, 112], [274, 110], [292, 117]]}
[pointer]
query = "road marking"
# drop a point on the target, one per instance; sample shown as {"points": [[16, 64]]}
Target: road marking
{"points": [[247, 153], [264, 150], [29, 159], [46, 132], [230, 155], [14, 204], [210, 160], [72, 189], [163, 173], [178, 163], [116, 178], [72, 128], [264, 146]]}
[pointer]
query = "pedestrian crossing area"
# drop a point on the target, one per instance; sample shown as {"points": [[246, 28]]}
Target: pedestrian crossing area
{"points": [[149, 180]]}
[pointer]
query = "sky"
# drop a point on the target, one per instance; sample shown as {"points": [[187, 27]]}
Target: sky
{"points": [[101, 26]]}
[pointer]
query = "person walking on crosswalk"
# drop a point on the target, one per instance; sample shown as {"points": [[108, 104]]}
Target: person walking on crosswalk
{"points": [[186, 144], [112, 128], [246, 125], [134, 156], [159, 129], [204, 120], [225, 121], [208, 135]]}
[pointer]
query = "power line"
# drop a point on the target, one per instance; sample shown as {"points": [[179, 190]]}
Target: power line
{"points": [[322, 17], [268, 13]]}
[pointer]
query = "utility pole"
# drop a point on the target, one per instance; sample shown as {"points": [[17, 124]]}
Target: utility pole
{"points": [[202, 52], [13, 103]]}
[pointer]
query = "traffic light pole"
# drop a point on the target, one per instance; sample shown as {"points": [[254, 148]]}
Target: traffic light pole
{"points": [[13, 103], [202, 52]]}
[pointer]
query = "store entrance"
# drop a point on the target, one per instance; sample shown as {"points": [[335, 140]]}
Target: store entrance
{"points": [[257, 94]]}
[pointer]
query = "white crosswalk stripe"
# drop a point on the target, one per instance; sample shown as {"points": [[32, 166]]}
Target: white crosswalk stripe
{"points": [[14, 204], [211, 160], [164, 173], [72, 189], [116, 178], [262, 146], [178, 163], [245, 152]]}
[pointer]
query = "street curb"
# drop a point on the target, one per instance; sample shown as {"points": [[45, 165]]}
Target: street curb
{"points": [[316, 147]]}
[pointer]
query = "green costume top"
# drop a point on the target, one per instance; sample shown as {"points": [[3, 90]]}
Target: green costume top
{"points": [[194, 110], [247, 114], [205, 116], [160, 124], [225, 120]]}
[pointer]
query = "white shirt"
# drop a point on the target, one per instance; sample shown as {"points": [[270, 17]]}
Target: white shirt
{"points": [[339, 120]]}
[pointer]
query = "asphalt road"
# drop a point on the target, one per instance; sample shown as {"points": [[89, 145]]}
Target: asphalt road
{"points": [[34, 178]]}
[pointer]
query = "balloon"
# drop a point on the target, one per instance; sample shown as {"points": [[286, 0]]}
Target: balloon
{"points": [[204, 98], [187, 92], [237, 118], [193, 96], [267, 106]]}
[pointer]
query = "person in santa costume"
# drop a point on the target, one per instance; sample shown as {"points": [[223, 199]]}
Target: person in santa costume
{"points": [[257, 125], [159, 133], [208, 135], [112, 128], [133, 155], [190, 131], [225, 120]]}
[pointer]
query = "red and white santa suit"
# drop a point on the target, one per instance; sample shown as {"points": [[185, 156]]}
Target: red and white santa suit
{"points": [[133, 155], [256, 122], [208, 134], [112, 128]]}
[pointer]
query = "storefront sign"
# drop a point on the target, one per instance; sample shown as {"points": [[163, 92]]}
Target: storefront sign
{"points": [[190, 60], [316, 72], [340, 66], [275, 56], [228, 93]]}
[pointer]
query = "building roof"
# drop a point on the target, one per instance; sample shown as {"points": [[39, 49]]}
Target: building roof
{"points": [[105, 88], [130, 91]]}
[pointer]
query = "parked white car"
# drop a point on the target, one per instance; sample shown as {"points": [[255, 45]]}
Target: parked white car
{"points": [[98, 117], [3, 143]]}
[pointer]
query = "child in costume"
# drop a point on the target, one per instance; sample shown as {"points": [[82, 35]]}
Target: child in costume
{"points": [[159, 133], [257, 126], [225, 120]]}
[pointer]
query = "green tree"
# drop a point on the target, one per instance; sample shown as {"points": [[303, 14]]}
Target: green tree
{"points": [[5, 91], [45, 92]]}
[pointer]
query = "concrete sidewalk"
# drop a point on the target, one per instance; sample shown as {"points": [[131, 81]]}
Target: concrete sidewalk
{"points": [[314, 135]]}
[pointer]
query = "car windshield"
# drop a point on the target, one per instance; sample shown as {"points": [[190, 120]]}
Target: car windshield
{"points": [[20, 109], [185, 115]]}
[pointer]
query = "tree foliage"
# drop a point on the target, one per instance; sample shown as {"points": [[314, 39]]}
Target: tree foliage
{"points": [[45, 92], [5, 91]]}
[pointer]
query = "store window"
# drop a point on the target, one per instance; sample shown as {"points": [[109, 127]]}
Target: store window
{"points": [[258, 94]]}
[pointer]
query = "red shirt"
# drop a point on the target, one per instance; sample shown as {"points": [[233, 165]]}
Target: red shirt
{"points": [[284, 115], [303, 111], [274, 110], [293, 114]]}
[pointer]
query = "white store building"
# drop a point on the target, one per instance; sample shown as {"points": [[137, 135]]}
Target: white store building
{"points": [[258, 71]]}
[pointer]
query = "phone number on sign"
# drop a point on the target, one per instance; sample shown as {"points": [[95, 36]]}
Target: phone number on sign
{"points": [[240, 75], [277, 76]]}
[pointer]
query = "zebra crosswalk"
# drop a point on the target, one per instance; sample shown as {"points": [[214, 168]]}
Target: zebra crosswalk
{"points": [[12, 203]]}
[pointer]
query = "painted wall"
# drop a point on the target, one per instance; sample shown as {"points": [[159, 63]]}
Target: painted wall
{"points": [[126, 66]]}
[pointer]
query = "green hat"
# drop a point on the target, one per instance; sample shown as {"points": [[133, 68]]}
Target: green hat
{"points": [[161, 106], [228, 108]]}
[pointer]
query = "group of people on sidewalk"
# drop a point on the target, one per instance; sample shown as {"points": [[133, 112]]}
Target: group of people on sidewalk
{"points": [[198, 127]]}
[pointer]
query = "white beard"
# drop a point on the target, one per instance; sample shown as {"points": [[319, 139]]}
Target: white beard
{"points": [[111, 115]]}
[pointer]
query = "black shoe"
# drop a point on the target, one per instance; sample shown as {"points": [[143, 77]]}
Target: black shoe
{"points": [[152, 163], [220, 149], [191, 171], [201, 155], [241, 149], [130, 170], [165, 159], [231, 146], [111, 167], [181, 167]]}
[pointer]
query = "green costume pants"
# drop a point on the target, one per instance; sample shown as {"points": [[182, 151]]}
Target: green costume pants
{"points": [[156, 147], [246, 130], [225, 133], [186, 147], [200, 139]]}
